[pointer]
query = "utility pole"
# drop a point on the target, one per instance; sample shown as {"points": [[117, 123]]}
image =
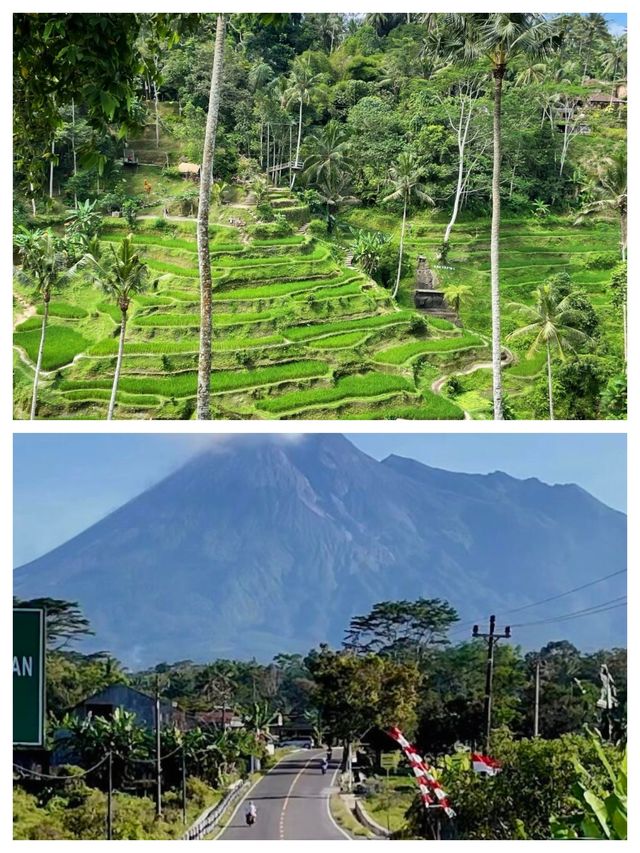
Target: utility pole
{"points": [[536, 707], [110, 797], [491, 638], [158, 756], [184, 787]]}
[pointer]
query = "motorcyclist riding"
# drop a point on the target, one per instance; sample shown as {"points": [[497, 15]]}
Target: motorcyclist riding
{"points": [[250, 813]]}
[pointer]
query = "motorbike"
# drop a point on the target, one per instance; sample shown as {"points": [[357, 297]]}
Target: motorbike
{"points": [[251, 819]]}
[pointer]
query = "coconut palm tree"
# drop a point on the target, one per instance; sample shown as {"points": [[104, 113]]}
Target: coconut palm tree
{"points": [[614, 60], [552, 321], [594, 27], [260, 75], [501, 37], [406, 180], [611, 194], [120, 274], [45, 267], [202, 226], [302, 81], [327, 153], [458, 295], [334, 191]]}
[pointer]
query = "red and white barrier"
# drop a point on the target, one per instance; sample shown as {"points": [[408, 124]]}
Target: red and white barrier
{"points": [[430, 789]]}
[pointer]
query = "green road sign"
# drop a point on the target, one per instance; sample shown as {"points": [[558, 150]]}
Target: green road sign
{"points": [[28, 676], [389, 760]]}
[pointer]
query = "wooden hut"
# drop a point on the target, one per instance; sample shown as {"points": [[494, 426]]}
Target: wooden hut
{"points": [[191, 171]]}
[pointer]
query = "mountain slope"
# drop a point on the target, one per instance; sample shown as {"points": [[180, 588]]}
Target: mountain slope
{"points": [[266, 546]]}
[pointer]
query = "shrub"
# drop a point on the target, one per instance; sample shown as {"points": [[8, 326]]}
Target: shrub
{"points": [[171, 172], [265, 211], [130, 208], [277, 227], [600, 260], [418, 327], [535, 784], [453, 386], [317, 228]]}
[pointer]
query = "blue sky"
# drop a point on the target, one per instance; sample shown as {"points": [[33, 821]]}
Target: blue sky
{"points": [[65, 482], [617, 22]]}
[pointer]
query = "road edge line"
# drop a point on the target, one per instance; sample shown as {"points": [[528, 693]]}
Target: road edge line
{"points": [[234, 812], [331, 817]]}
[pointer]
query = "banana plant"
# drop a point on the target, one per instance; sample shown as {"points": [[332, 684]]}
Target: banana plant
{"points": [[598, 817]]}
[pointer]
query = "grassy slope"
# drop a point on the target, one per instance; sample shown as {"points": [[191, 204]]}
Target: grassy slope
{"points": [[295, 333]]}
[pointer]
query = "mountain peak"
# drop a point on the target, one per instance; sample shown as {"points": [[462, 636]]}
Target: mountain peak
{"points": [[260, 545]]}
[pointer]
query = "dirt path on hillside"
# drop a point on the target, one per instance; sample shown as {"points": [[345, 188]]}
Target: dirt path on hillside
{"points": [[438, 384], [28, 310]]}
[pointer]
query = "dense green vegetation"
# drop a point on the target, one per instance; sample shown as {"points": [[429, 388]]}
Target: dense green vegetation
{"points": [[392, 128], [403, 663]]}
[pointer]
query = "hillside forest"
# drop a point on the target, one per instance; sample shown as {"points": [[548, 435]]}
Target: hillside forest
{"points": [[223, 216]]}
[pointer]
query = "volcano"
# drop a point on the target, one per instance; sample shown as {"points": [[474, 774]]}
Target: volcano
{"points": [[267, 545]]}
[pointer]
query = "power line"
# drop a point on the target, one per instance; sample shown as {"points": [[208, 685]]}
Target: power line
{"points": [[620, 601], [563, 594], [466, 625], [28, 770]]}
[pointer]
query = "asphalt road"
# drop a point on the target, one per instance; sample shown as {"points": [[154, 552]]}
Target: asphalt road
{"points": [[292, 802]]}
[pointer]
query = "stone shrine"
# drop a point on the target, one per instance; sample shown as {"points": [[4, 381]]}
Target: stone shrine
{"points": [[427, 298]]}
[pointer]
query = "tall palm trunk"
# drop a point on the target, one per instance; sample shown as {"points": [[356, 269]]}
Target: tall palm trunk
{"points": [[155, 102], [404, 219], [202, 226], [116, 375], [53, 151], [293, 179], [73, 148], [549, 382], [45, 316], [498, 74]]}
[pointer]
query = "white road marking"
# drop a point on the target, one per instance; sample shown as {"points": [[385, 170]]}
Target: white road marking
{"points": [[331, 817], [286, 799], [243, 800]]}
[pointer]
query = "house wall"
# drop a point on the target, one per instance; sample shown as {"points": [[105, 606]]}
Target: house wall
{"points": [[120, 696]]}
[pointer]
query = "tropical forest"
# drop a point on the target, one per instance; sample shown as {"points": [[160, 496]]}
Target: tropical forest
{"points": [[313, 216]]}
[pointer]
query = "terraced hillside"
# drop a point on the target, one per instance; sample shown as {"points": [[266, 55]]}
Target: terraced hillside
{"points": [[531, 251], [296, 335]]}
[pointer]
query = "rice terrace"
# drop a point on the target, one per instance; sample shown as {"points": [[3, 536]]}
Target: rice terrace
{"points": [[338, 173]]}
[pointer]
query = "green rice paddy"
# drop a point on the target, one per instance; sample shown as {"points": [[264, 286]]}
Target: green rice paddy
{"points": [[295, 333]]}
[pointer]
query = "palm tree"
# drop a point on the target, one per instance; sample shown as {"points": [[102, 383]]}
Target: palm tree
{"points": [[120, 274], [552, 320], [594, 28], [458, 295], [405, 177], [45, 266], [301, 83], [614, 60], [202, 226], [611, 187], [333, 191], [260, 75], [327, 154], [501, 37]]}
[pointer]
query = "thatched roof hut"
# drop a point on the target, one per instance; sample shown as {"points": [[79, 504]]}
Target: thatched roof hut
{"points": [[189, 170]]}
